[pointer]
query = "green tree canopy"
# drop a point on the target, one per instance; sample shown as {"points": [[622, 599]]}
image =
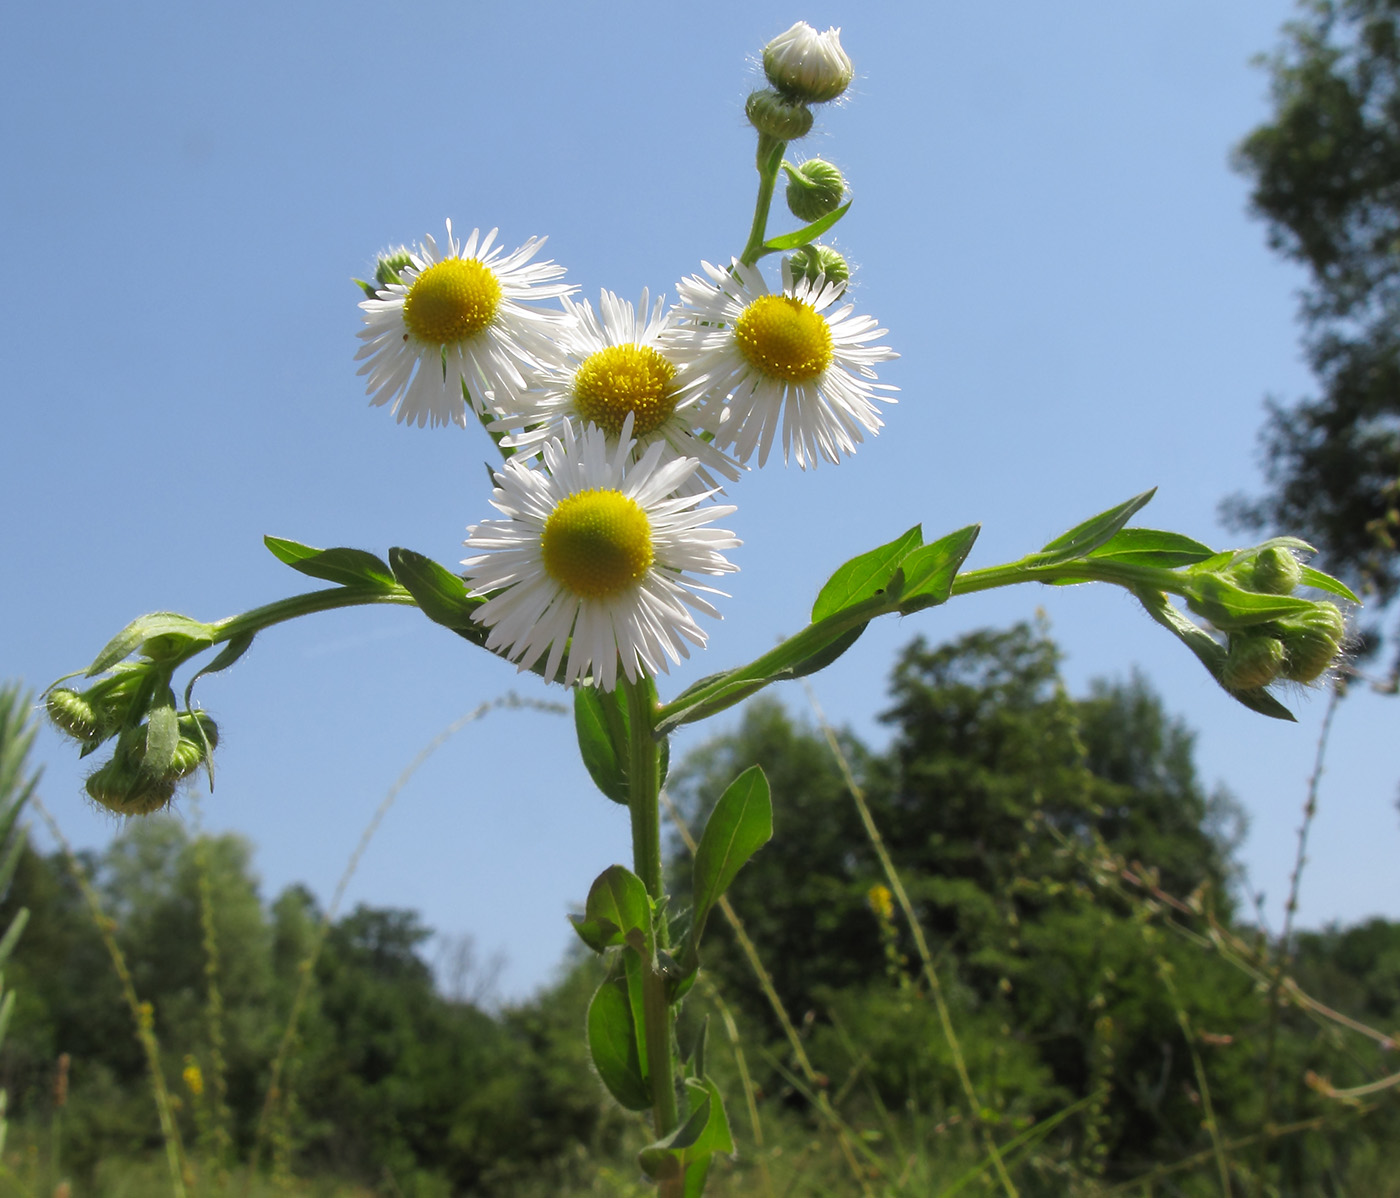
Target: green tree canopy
{"points": [[1326, 178]]}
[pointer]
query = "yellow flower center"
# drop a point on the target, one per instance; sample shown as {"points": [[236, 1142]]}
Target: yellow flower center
{"points": [[622, 379], [784, 337], [597, 543], [452, 299]]}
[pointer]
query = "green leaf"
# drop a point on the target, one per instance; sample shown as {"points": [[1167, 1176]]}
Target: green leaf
{"points": [[1209, 651], [1084, 538], [143, 628], [612, 1043], [824, 656], [1325, 582], [1229, 607], [727, 696], [12, 934], [1149, 547], [808, 234], [740, 825], [617, 911], [704, 1132], [605, 762], [439, 593], [929, 571], [162, 735], [348, 567], [237, 646], [864, 576]]}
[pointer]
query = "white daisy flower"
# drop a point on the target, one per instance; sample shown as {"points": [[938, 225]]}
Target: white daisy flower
{"points": [[769, 360], [610, 365], [592, 557], [458, 323]]}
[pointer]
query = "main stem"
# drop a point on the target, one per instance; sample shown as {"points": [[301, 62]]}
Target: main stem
{"points": [[644, 795]]}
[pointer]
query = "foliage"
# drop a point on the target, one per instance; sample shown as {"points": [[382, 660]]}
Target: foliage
{"points": [[1326, 178]]}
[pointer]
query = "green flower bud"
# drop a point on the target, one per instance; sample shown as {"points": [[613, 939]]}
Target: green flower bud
{"points": [[815, 189], [777, 116], [1312, 641], [807, 65], [122, 788], [387, 271], [811, 262], [1253, 660], [1275, 572], [74, 714]]}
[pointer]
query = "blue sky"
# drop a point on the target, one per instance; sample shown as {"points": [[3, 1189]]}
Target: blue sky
{"points": [[1044, 219]]}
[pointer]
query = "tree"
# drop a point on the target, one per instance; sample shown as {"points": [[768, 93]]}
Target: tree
{"points": [[1326, 176]]}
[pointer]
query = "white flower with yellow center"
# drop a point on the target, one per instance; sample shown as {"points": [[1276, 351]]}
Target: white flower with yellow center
{"points": [[592, 559], [771, 363], [610, 365], [458, 324]]}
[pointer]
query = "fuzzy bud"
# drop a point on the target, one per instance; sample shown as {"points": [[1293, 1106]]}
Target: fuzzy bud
{"points": [[812, 262], [807, 65], [777, 116], [74, 714], [1276, 572], [815, 189], [1312, 641], [122, 788], [1253, 660]]}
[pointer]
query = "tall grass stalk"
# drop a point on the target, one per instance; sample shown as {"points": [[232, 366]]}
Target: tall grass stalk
{"points": [[307, 967], [141, 1012], [1285, 943], [219, 1140], [930, 973]]}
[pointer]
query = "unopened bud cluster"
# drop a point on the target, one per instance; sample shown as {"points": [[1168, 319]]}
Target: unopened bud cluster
{"points": [[1300, 645], [804, 67], [135, 781]]}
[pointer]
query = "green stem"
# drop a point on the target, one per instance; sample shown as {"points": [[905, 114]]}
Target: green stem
{"points": [[644, 790], [305, 605], [769, 161]]}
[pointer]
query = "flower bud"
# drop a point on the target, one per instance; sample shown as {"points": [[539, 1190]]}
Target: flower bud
{"points": [[74, 714], [812, 262], [815, 189], [1275, 572], [122, 788], [387, 271], [1253, 660], [1312, 641], [777, 116], [807, 65]]}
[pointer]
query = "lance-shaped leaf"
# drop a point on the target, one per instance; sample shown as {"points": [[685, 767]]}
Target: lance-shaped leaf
{"points": [[740, 824], [1151, 547], [1229, 607], [617, 911], [163, 624], [1209, 651], [704, 1132], [929, 571], [439, 593], [348, 567], [1325, 582], [162, 735], [613, 1045], [1084, 538], [237, 646], [596, 717], [807, 234], [864, 576]]}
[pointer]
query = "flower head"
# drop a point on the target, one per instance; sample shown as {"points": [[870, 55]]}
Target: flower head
{"points": [[592, 557], [781, 360], [457, 324], [610, 365], [807, 65]]}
